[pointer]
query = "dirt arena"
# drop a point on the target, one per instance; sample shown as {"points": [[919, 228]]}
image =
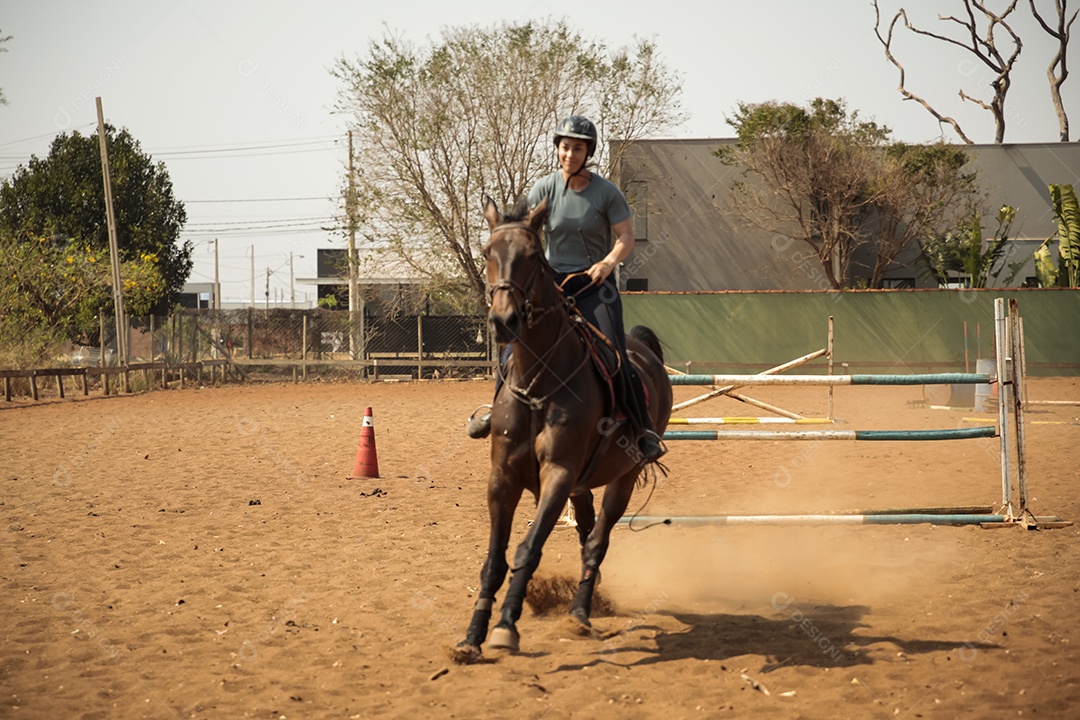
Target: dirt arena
{"points": [[202, 554]]}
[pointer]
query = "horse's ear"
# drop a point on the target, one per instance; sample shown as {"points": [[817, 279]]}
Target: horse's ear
{"points": [[491, 212], [538, 215]]}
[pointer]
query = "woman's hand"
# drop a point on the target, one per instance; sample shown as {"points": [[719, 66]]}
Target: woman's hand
{"points": [[600, 271]]}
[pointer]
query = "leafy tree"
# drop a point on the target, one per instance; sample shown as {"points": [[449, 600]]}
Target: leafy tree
{"points": [[924, 188], [437, 127], [62, 198], [965, 250], [823, 176], [57, 287]]}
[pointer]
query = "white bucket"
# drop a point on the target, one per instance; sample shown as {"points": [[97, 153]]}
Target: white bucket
{"points": [[985, 393]]}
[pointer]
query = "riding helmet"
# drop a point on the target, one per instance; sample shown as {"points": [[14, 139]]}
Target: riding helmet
{"points": [[580, 127]]}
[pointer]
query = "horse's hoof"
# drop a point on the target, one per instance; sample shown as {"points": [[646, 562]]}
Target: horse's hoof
{"points": [[466, 654], [504, 639]]}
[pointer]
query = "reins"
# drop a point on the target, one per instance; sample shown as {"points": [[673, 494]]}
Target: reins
{"points": [[533, 315]]}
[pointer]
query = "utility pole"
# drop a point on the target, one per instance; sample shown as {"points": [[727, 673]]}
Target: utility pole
{"points": [[354, 292], [114, 250], [252, 276], [268, 289], [217, 278], [292, 289]]}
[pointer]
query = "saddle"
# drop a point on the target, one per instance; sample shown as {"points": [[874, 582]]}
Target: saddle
{"points": [[606, 362]]}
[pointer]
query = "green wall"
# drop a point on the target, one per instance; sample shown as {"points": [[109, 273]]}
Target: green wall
{"points": [[874, 330]]}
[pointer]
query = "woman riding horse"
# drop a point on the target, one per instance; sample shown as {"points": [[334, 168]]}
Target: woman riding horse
{"points": [[584, 210], [553, 430]]}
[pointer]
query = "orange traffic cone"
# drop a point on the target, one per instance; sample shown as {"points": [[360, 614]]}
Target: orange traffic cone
{"points": [[367, 461]]}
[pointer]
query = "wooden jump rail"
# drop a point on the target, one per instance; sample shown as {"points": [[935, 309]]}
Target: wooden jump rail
{"points": [[82, 374]]}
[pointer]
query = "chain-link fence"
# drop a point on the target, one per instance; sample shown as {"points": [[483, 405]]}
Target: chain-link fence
{"points": [[317, 341], [210, 346]]}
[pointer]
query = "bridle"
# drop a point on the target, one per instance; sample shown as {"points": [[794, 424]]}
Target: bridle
{"points": [[532, 313]]}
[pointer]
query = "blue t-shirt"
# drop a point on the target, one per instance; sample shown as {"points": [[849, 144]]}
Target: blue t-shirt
{"points": [[578, 226]]}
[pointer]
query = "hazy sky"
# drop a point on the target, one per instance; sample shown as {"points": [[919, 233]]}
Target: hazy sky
{"points": [[236, 97]]}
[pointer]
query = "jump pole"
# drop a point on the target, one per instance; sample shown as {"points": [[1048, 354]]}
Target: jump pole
{"points": [[1019, 392], [860, 379], [900, 518], [764, 406], [749, 421], [829, 357], [1001, 345], [985, 431], [717, 391]]}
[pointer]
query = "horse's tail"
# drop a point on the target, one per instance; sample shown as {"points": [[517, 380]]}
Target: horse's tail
{"points": [[647, 336]]}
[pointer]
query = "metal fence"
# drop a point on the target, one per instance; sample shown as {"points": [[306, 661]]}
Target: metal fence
{"points": [[315, 341]]}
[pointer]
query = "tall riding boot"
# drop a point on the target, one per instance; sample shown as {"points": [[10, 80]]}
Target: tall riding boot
{"points": [[649, 441], [479, 426]]}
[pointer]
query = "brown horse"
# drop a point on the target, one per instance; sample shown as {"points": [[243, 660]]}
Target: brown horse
{"points": [[553, 430]]}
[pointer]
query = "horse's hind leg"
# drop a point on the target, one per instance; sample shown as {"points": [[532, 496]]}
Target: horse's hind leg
{"points": [[612, 507], [584, 514]]}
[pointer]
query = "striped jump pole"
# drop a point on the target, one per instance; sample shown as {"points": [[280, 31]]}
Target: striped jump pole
{"points": [[906, 518], [985, 431], [749, 421], [728, 390], [822, 380]]}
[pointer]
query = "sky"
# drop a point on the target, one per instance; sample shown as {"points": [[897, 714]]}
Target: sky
{"points": [[236, 98]]}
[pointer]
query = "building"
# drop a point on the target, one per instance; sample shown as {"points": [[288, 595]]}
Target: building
{"points": [[689, 240], [387, 285], [196, 295]]}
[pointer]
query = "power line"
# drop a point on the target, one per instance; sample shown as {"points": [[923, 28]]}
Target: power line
{"points": [[209, 156], [306, 219], [251, 145], [250, 200], [298, 229], [50, 134], [237, 149]]}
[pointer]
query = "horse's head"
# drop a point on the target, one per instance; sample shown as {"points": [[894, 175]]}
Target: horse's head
{"points": [[517, 271]]}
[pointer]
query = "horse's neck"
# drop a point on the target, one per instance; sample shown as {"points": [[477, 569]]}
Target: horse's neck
{"points": [[550, 346]]}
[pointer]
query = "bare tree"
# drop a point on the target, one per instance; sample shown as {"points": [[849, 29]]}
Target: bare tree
{"points": [[810, 177], [984, 48], [1058, 69], [438, 127], [822, 176], [3, 39]]}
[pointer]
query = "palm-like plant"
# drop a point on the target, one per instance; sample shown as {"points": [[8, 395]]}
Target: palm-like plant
{"points": [[962, 250], [1067, 212]]}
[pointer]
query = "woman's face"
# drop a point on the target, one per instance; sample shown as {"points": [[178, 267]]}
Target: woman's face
{"points": [[572, 152]]}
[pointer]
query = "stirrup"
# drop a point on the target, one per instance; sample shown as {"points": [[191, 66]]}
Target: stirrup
{"points": [[651, 445], [479, 426]]}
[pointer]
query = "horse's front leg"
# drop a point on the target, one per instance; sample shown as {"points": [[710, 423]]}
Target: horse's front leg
{"points": [[616, 498], [555, 484], [503, 498]]}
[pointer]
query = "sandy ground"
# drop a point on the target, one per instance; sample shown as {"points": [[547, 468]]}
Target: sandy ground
{"points": [[202, 554]]}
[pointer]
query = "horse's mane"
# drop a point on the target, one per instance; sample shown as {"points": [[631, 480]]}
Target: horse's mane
{"points": [[519, 212]]}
